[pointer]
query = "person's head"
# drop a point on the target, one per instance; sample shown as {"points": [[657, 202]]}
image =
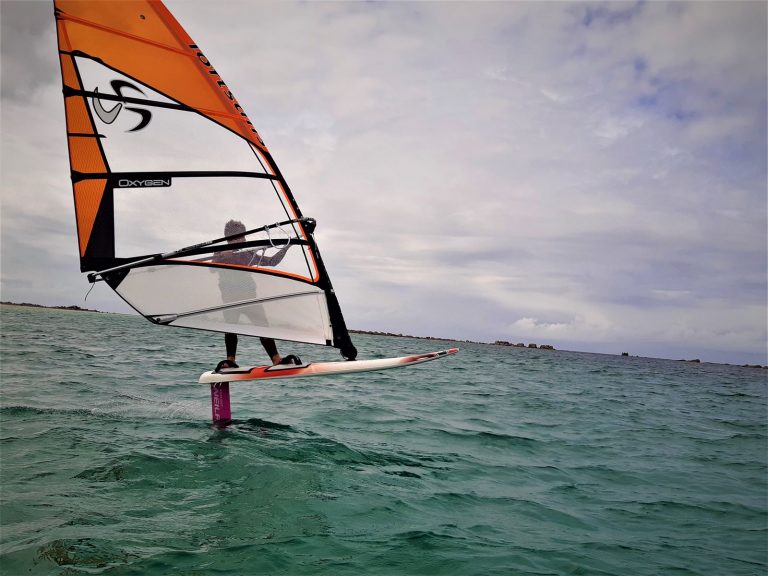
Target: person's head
{"points": [[234, 227]]}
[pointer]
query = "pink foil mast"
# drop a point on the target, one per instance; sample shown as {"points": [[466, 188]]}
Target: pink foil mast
{"points": [[220, 410]]}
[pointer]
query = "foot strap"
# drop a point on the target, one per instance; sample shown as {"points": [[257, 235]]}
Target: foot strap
{"points": [[225, 364]]}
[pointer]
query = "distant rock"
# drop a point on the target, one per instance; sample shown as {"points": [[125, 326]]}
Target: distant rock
{"points": [[533, 345]]}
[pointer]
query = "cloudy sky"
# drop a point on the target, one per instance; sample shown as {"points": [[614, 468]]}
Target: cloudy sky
{"points": [[587, 175]]}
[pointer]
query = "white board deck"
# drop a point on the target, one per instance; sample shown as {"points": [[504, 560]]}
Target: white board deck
{"points": [[245, 373]]}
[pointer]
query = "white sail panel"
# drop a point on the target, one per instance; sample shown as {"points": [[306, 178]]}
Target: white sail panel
{"points": [[229, 300], [300, 319]]}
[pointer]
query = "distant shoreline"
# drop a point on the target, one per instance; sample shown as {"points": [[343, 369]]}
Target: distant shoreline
{"points": [[72, 308], [370, 332], [499, 343]]}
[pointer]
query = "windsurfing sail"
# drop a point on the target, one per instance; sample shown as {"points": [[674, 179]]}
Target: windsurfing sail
{"points": [[180, 206]]}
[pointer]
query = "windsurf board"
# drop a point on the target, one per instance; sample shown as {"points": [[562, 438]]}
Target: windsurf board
{"points": [[245, 373]]}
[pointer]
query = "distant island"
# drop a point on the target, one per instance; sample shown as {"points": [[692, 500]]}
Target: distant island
{"points": [[522, 345], [75, 308]]}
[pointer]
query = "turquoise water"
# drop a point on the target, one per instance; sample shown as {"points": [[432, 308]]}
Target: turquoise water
{"points": [[495, 461]]}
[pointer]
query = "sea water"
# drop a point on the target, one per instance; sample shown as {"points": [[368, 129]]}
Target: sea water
{"points": [[495, 461]]}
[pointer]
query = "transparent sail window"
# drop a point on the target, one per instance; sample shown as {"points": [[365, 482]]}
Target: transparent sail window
{"points": [[190, 211]]}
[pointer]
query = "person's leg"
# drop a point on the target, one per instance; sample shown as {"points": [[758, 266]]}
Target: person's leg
{"points": [[230, 341], [271, 349]]}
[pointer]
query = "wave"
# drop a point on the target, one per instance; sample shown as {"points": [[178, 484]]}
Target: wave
{"points": [[84, 553]]}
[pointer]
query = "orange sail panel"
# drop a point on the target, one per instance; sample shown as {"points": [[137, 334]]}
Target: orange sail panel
{"points": [[143, 40], [88, 196], [180, 206]]}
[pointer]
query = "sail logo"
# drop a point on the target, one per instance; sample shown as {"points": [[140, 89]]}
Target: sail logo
{"points": [[109, 116], [153, 183]]}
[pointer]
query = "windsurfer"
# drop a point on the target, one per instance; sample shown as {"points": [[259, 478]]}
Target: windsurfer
{"points": [[235, 288]]}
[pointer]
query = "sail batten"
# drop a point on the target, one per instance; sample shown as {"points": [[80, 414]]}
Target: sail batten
{"points": [[77, 176], [68, 92], [162, 155]]}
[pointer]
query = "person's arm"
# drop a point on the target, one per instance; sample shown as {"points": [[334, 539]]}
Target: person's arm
{"points": [[273, 260]]}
